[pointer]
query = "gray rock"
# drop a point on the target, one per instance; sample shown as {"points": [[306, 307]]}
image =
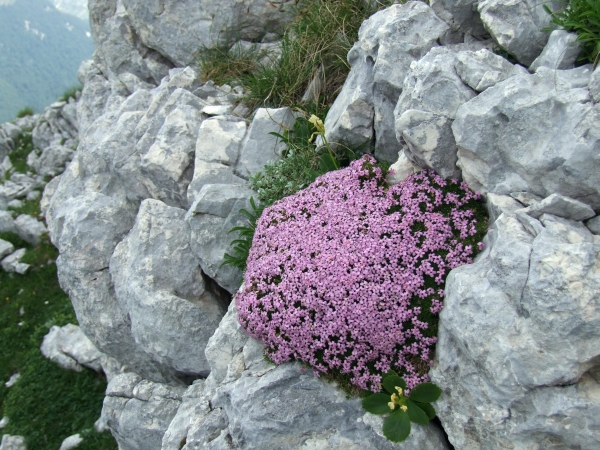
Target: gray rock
{"points": [[259, 147], [33, 196], [3, 422], [49, 191], [94, 96], [249, 403], [516, 25], [560, 206], [177, 30], [68, 347], [138, 412], [158, 282], [498, 204], [215, 211], [483, 69], [12, 262], [7, 223], [568, 79], [217, 151], [71, 442], [594, 225], [432, 93], [560, 52], [12, 443], [518, 340], [401, 169], [12, 380], [530, 133], [29, 229], [594, 85], [217, 110], [51, 161], [526, 198], [388, 42], [460, 15]]}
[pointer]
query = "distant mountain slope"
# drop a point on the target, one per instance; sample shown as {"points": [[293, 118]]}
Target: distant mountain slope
{"points": [[40, 51]]}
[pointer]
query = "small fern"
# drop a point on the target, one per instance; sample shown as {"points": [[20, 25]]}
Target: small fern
{"points": [[241, 245]]}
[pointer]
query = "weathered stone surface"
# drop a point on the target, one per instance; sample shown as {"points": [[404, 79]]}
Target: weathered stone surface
{"points": [[94, 96], [6, 248], [159, 284], [51, 161], [518, 340], [12, 443], [388, 42], [594, 225], [259, 147], [560, 52], [29, 229], [498, 204], [49, 191], [531, 133], [230, 409], [526, 198], [594, 85], [68, 347], [217, 151], [432, 93], [483, 69], [215, 211], [460, 15], [560, 206], [139, 411], [401, 169], [71, 442], [516, 25], [12, 263], [177, 29]]}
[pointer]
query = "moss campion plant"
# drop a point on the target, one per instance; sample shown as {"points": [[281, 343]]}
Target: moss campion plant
{"points": [[347, 275]]}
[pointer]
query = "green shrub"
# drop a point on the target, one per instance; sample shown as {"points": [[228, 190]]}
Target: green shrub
{"points": [[18, 157], [27, 111], [583, 18]]}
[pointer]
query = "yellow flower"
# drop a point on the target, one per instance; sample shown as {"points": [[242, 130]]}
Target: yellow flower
{"points": [[395, 398], [391, 405], [403, 408], [318, 123], [399, 389]]}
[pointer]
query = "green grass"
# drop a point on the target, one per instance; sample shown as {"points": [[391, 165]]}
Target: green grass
{"points": [[27, 111], [48, 403], [70, 93], [583, 18], [18, 157], [315, 45]]}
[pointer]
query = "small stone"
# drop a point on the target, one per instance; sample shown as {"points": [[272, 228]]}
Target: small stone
{"points": [[217, 110], [560, 206], [526, 198], [3, 422], [71, 442], [12, 443], [33, 195], [560, 52], [12, 380], [594, 225], [16, 204], [12, 262], [6, 248]]}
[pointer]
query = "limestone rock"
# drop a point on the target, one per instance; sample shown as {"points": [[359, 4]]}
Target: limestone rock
{"points": [[516, 25], [560, 206], [259, 146], [139, 411], [51, 161], [12, 262], [71, 349], [12, 443], [401, 169], [560, 52], [460, 15], [158, 282], [71, 442], [388, 42], [515, 137], [594, 225], [432, 93], [215, 211], [594, 85], [498, 204], [7, 223], [483, 69], [518, 341], [6, 248], [29, 229], [526, 198], [217, 151]]}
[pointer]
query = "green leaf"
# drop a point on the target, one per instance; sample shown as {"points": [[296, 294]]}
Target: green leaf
{"points": [[416, 414], [396, 427], [391, 372], [425, 393], [377, 404], [429, 410], [391, 381], [327, 163]]}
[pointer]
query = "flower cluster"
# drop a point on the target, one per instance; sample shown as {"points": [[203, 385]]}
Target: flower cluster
{"points": [[347, 275]]}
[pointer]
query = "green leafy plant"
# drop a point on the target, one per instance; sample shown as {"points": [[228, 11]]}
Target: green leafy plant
{"points": [[241, 245], [70, 93], [27, 111], [402, 409], [583, 18]]}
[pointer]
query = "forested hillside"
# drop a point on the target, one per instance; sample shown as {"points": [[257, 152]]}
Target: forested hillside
{"points": [[40, 51]]}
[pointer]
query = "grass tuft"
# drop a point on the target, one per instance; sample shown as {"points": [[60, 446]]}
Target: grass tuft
{"points": [[70, 93], [27, 111]]}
